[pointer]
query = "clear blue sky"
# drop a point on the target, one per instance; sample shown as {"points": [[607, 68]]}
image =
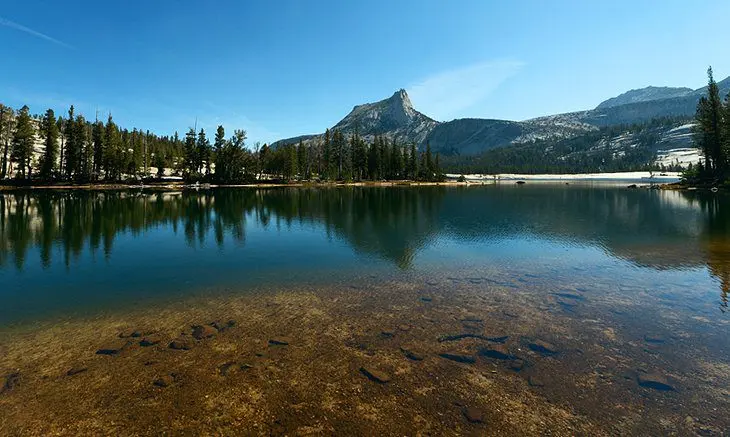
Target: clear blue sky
{"points": [[283, 68]]}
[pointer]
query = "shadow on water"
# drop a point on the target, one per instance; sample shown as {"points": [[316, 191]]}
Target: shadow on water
{"points": [[657, 229]]}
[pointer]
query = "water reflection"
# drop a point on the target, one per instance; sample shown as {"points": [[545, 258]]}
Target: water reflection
{"points": [[658, 229]]}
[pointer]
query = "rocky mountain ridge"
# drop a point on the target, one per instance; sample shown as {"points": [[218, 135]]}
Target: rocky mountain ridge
{"points": [[396, 119]]}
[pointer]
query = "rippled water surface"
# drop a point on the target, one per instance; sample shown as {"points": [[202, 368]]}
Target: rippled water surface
{"points": [[629, 287]]}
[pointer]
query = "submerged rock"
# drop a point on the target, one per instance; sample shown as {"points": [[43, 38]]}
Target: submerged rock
{"points": [[279, 341], [464, 335], [11, 381], [653, 339], [473, 415], [164, 381], [459, 358], [76, 370], [498, 352], [181, 344], [375, 375], [150, 340], [112, 348], [535, 381], [543, 347], [411, 355], [226, 368], [130, 333], [201, 332], [517, 365], [566, 303], [654, 381], [569, 295], [220, 327]]}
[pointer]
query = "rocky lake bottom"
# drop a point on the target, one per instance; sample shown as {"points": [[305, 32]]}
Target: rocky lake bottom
{"points": [[468, 355]]}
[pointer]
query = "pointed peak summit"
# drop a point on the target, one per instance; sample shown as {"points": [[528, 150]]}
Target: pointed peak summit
{"points": [[401, 96]]}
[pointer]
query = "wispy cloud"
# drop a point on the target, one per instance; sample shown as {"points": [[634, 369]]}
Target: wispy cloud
{"points": [[444, 95], [13, 25]]}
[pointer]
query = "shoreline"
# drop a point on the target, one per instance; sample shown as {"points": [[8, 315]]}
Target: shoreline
{"points": [[452, 180]]}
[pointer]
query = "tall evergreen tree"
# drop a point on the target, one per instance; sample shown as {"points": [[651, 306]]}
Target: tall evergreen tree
{"points": [[97, 139], [725, 137], [708, 130], [396, 160], [23, 138], [290, 162], [190, 166], [73, 145], [328, 156], [112, 160], [218, 143], [302, 159], [85, 159], [264, 153], [413, 162], [338, 145], [61, 123], [203, 153], [49, 131], [429, 162], [6, 127], [359, 157]]}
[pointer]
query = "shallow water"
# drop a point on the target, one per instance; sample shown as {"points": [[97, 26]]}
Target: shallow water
{"points": [[628, 288]]}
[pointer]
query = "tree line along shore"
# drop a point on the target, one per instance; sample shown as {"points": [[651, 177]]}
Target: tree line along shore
{"points": [[49, 150], [46, 150]]}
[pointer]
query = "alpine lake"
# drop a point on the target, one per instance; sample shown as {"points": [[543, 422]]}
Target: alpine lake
{"points": [[504, 309]]}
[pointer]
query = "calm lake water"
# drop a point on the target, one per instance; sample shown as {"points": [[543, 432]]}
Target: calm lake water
{"points": [[587, 309], [71, 252]]}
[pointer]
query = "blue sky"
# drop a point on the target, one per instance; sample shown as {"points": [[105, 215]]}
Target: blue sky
{"points": [[284, 68]]}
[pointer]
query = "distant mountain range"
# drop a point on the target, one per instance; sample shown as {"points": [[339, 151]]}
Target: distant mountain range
{"points": [[395, 118]]}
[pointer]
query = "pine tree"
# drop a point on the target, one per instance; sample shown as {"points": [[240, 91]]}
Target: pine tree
{"points": [[84, 164], [328, 155], [290, 162], [338, 146], [112, 160], [302, 159], [707, 133], [190, 163], [725, 137], [49, 131], [97, 139], [413, 162], [359, 156], [72, 153], [61, 123], [264, 153], [396, 160], [220, 139], [22, 146], [6, 128], [202, 152], [218, 143], [429, 162], [232, 165], [373, 161]]}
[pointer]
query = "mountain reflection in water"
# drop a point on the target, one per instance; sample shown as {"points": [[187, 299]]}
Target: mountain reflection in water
{"points": [[663, 230]]}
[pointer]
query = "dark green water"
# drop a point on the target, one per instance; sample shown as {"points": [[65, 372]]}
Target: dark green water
{"points": [[70, 253]]}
